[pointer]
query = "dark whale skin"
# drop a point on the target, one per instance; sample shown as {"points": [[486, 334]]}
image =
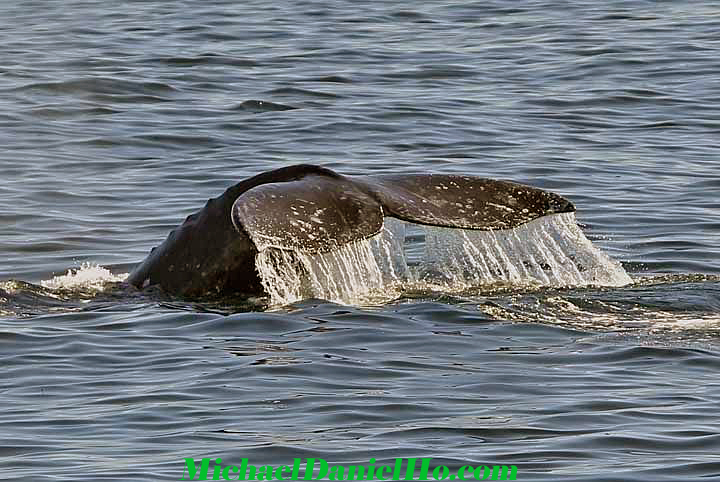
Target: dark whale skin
{"points": [[207, 255], [315, 209]]}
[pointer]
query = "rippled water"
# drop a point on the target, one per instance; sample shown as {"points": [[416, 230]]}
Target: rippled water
{"points": [[118, 120]]}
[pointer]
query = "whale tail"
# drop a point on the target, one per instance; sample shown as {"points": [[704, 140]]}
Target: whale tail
{"points": [[318, 212], [312, 209]]}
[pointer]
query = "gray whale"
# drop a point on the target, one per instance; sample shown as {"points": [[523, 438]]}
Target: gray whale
{"points": [[315, 209]]}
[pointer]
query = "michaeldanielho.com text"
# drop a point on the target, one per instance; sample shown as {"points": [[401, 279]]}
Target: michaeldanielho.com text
{"points": [[318, 469]]}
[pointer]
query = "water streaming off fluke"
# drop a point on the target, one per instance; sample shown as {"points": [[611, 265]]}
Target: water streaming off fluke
{"points": [[550, 251]]}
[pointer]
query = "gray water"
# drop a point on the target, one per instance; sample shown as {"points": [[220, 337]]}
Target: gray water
{"points": [[118, 119]]}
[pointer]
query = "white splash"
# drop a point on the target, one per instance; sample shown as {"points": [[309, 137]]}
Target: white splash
{"points": [[549, 251], [87, 276], [362, 271]]}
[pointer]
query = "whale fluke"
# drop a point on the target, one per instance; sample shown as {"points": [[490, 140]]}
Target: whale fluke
{"points": [[320, 212], [464, 201], [314, 209], [314, 214]]}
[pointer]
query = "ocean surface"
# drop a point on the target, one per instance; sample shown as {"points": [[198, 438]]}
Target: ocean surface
{"points": [[119, 119]]}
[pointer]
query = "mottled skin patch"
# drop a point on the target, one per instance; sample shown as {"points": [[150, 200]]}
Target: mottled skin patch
{"points": [[315, 209]]}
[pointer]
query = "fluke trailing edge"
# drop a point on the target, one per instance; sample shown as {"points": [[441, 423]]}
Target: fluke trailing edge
{"points": [[314, 209]]}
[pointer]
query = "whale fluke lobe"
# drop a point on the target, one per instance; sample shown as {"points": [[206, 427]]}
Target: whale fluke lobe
{"points": [[465, 202], [314, 214], [312, 209]]}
